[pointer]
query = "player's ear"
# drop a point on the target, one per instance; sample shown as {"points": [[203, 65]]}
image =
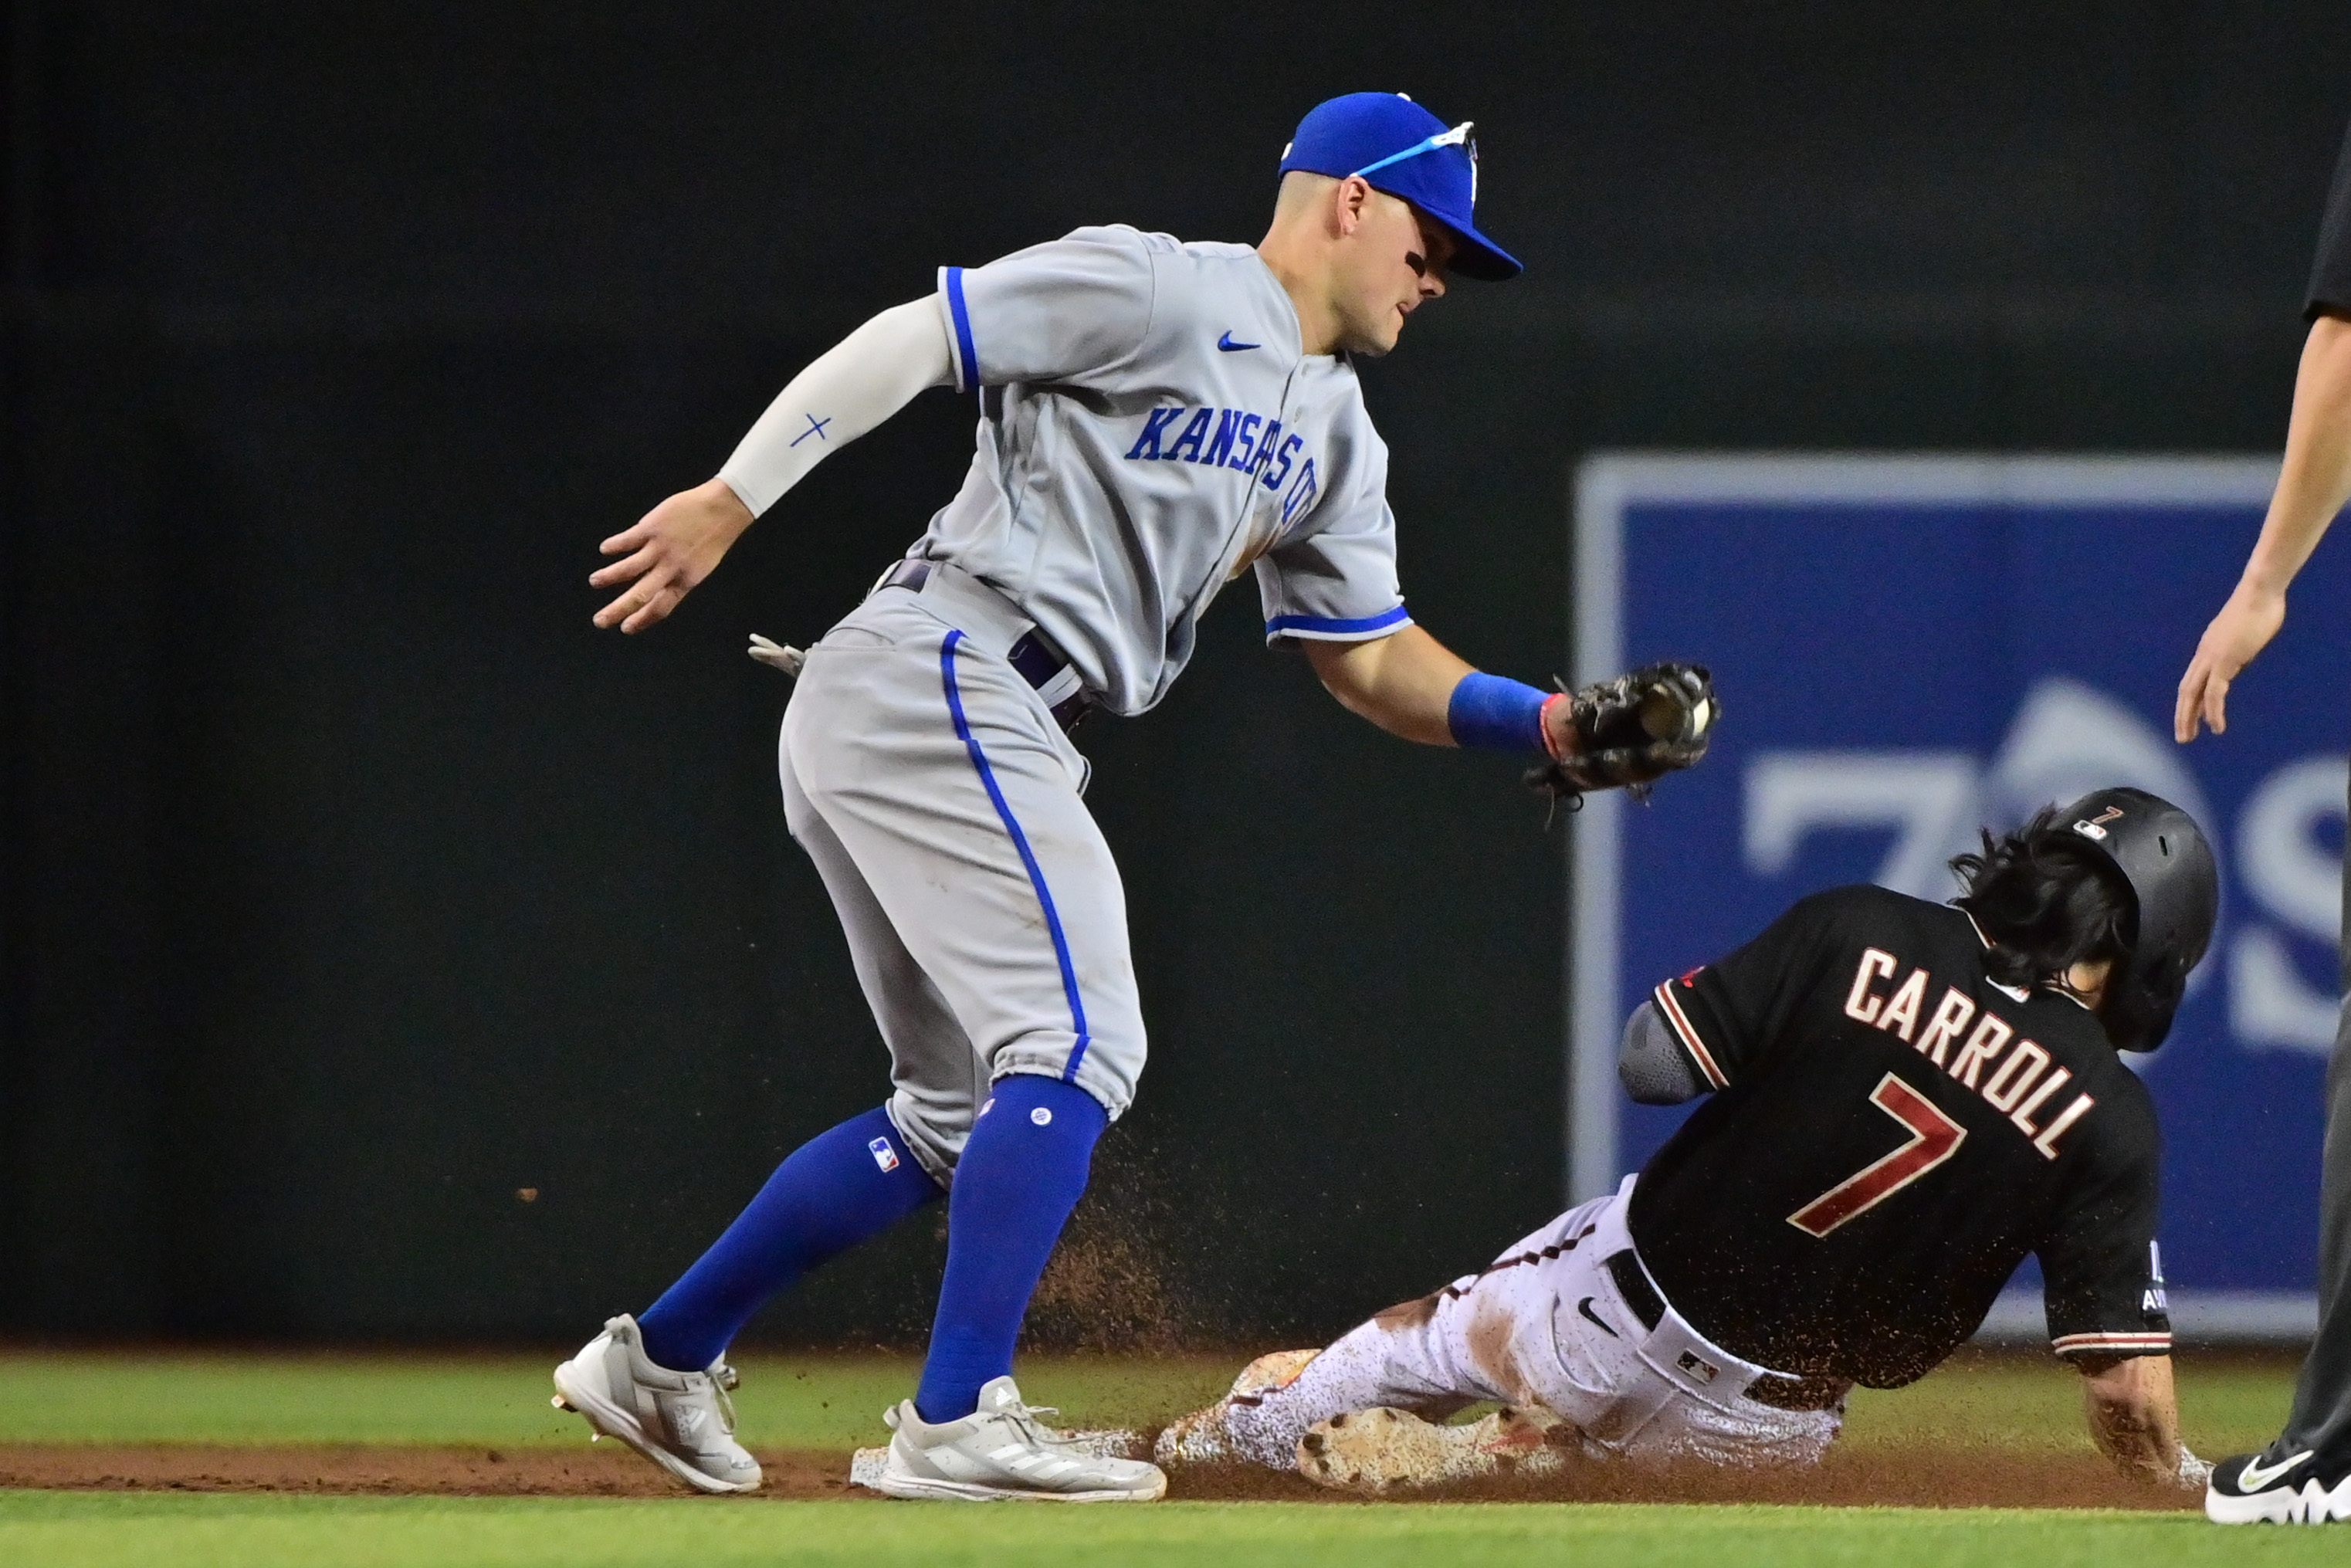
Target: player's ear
{"points": [[1348, 200]]}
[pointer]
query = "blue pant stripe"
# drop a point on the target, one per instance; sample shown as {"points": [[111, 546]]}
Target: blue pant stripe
{"points": [[1021, 842]]}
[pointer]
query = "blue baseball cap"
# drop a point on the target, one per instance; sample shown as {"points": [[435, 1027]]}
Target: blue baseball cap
{"points": [[1401, 148]]}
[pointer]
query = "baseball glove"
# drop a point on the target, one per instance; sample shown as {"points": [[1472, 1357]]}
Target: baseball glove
{"points": [[1631, 731]]}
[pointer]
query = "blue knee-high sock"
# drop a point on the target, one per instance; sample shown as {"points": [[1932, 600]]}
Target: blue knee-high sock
{"points": [[1021, 1173], [836, 1190]]}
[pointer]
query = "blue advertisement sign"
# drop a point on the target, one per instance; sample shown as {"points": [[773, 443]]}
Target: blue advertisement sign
{"points": [[1907, 648]]}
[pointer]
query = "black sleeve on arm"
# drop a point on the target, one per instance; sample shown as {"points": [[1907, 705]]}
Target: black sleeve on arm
{"points": [[1652, 1064], [2330, 273], [1724, 1014], [2103, 1278]]}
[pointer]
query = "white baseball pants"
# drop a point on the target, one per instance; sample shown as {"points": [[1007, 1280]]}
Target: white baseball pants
{"points": [[1547, 1325]]}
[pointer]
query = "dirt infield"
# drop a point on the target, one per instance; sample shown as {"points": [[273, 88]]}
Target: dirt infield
{"points": [[607, 1469], [1919, 1478]]}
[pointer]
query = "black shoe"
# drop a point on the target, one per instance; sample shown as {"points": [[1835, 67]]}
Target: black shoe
{"points": [[2280, 1485]]}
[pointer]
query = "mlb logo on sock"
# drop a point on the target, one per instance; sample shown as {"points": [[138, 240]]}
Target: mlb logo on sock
{"points": [[884, 1155]]}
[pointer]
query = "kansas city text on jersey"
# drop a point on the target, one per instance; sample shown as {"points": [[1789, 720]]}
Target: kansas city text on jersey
{"points": [[1230, 438]]}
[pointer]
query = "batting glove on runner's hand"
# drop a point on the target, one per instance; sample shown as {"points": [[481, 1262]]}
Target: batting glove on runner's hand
{"points": [[777, 655], [1631, 731]]}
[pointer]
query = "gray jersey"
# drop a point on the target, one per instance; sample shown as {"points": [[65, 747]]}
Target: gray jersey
{"points": [[1150, 427]]}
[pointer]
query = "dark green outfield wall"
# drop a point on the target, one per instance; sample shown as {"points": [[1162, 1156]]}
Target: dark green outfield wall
{"points": [[352, 883]]}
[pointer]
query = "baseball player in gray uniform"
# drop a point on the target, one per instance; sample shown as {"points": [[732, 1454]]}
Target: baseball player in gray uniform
{"points": [[1155, 417]]}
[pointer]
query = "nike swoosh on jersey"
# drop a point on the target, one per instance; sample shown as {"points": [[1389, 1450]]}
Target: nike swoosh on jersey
{"points": [[1585, 1306], [1228, 346], [2253, 1478]]}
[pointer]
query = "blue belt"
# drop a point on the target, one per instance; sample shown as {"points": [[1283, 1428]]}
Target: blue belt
{"points": [[1032, 655]]}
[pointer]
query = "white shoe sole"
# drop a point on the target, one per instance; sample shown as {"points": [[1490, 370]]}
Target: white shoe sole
{"points": [[891, 1483], [869, 1468], [2278, 1505], [612, 1421]]}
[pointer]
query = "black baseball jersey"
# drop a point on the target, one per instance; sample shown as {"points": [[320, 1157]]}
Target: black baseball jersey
{"points": [[1891, 1132], [2330, 273]]}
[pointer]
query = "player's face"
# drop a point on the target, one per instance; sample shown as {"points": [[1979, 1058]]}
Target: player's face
{"points": [[1395, 260]]}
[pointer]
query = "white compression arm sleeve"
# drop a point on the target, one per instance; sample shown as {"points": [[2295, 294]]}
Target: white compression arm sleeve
{"points": [[859, 382]]}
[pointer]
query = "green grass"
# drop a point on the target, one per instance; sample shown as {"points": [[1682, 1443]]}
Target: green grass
{"points": [[2228, 1406], [836, 1401], [98, 1531], [808, 1401]]}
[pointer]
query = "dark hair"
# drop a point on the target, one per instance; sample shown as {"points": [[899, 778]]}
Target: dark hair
{"points": [[2046, 901]]}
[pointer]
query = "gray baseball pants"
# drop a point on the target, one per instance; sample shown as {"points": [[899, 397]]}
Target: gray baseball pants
{"points": [[940, 802], [2322, 1397]]}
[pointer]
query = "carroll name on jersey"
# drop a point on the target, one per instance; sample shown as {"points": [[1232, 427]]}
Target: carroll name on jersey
{"points": [[2018, 1085], [1794, 1224]]}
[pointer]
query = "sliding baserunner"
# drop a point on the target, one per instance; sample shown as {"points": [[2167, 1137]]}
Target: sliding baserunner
{"points": [[1906, 1098]]}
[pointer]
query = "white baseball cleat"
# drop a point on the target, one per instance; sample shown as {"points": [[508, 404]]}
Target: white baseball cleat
{"points": [[681, 1421], [2293, 1487], [866, 1465], [1381, 1451], [1002, 1453], [1202, 1437]]}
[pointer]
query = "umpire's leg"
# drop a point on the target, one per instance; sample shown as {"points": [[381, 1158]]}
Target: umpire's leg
{"points": [[2322, 1399]]}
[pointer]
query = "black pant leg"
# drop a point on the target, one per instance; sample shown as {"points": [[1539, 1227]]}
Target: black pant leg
{"points": [[2322, 1396]]}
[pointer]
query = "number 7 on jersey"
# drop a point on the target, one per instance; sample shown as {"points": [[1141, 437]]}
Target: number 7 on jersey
{"points": [[1934, 1138]]}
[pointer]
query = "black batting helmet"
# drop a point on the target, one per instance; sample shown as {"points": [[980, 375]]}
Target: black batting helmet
{"points": [[2162, 854]]}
